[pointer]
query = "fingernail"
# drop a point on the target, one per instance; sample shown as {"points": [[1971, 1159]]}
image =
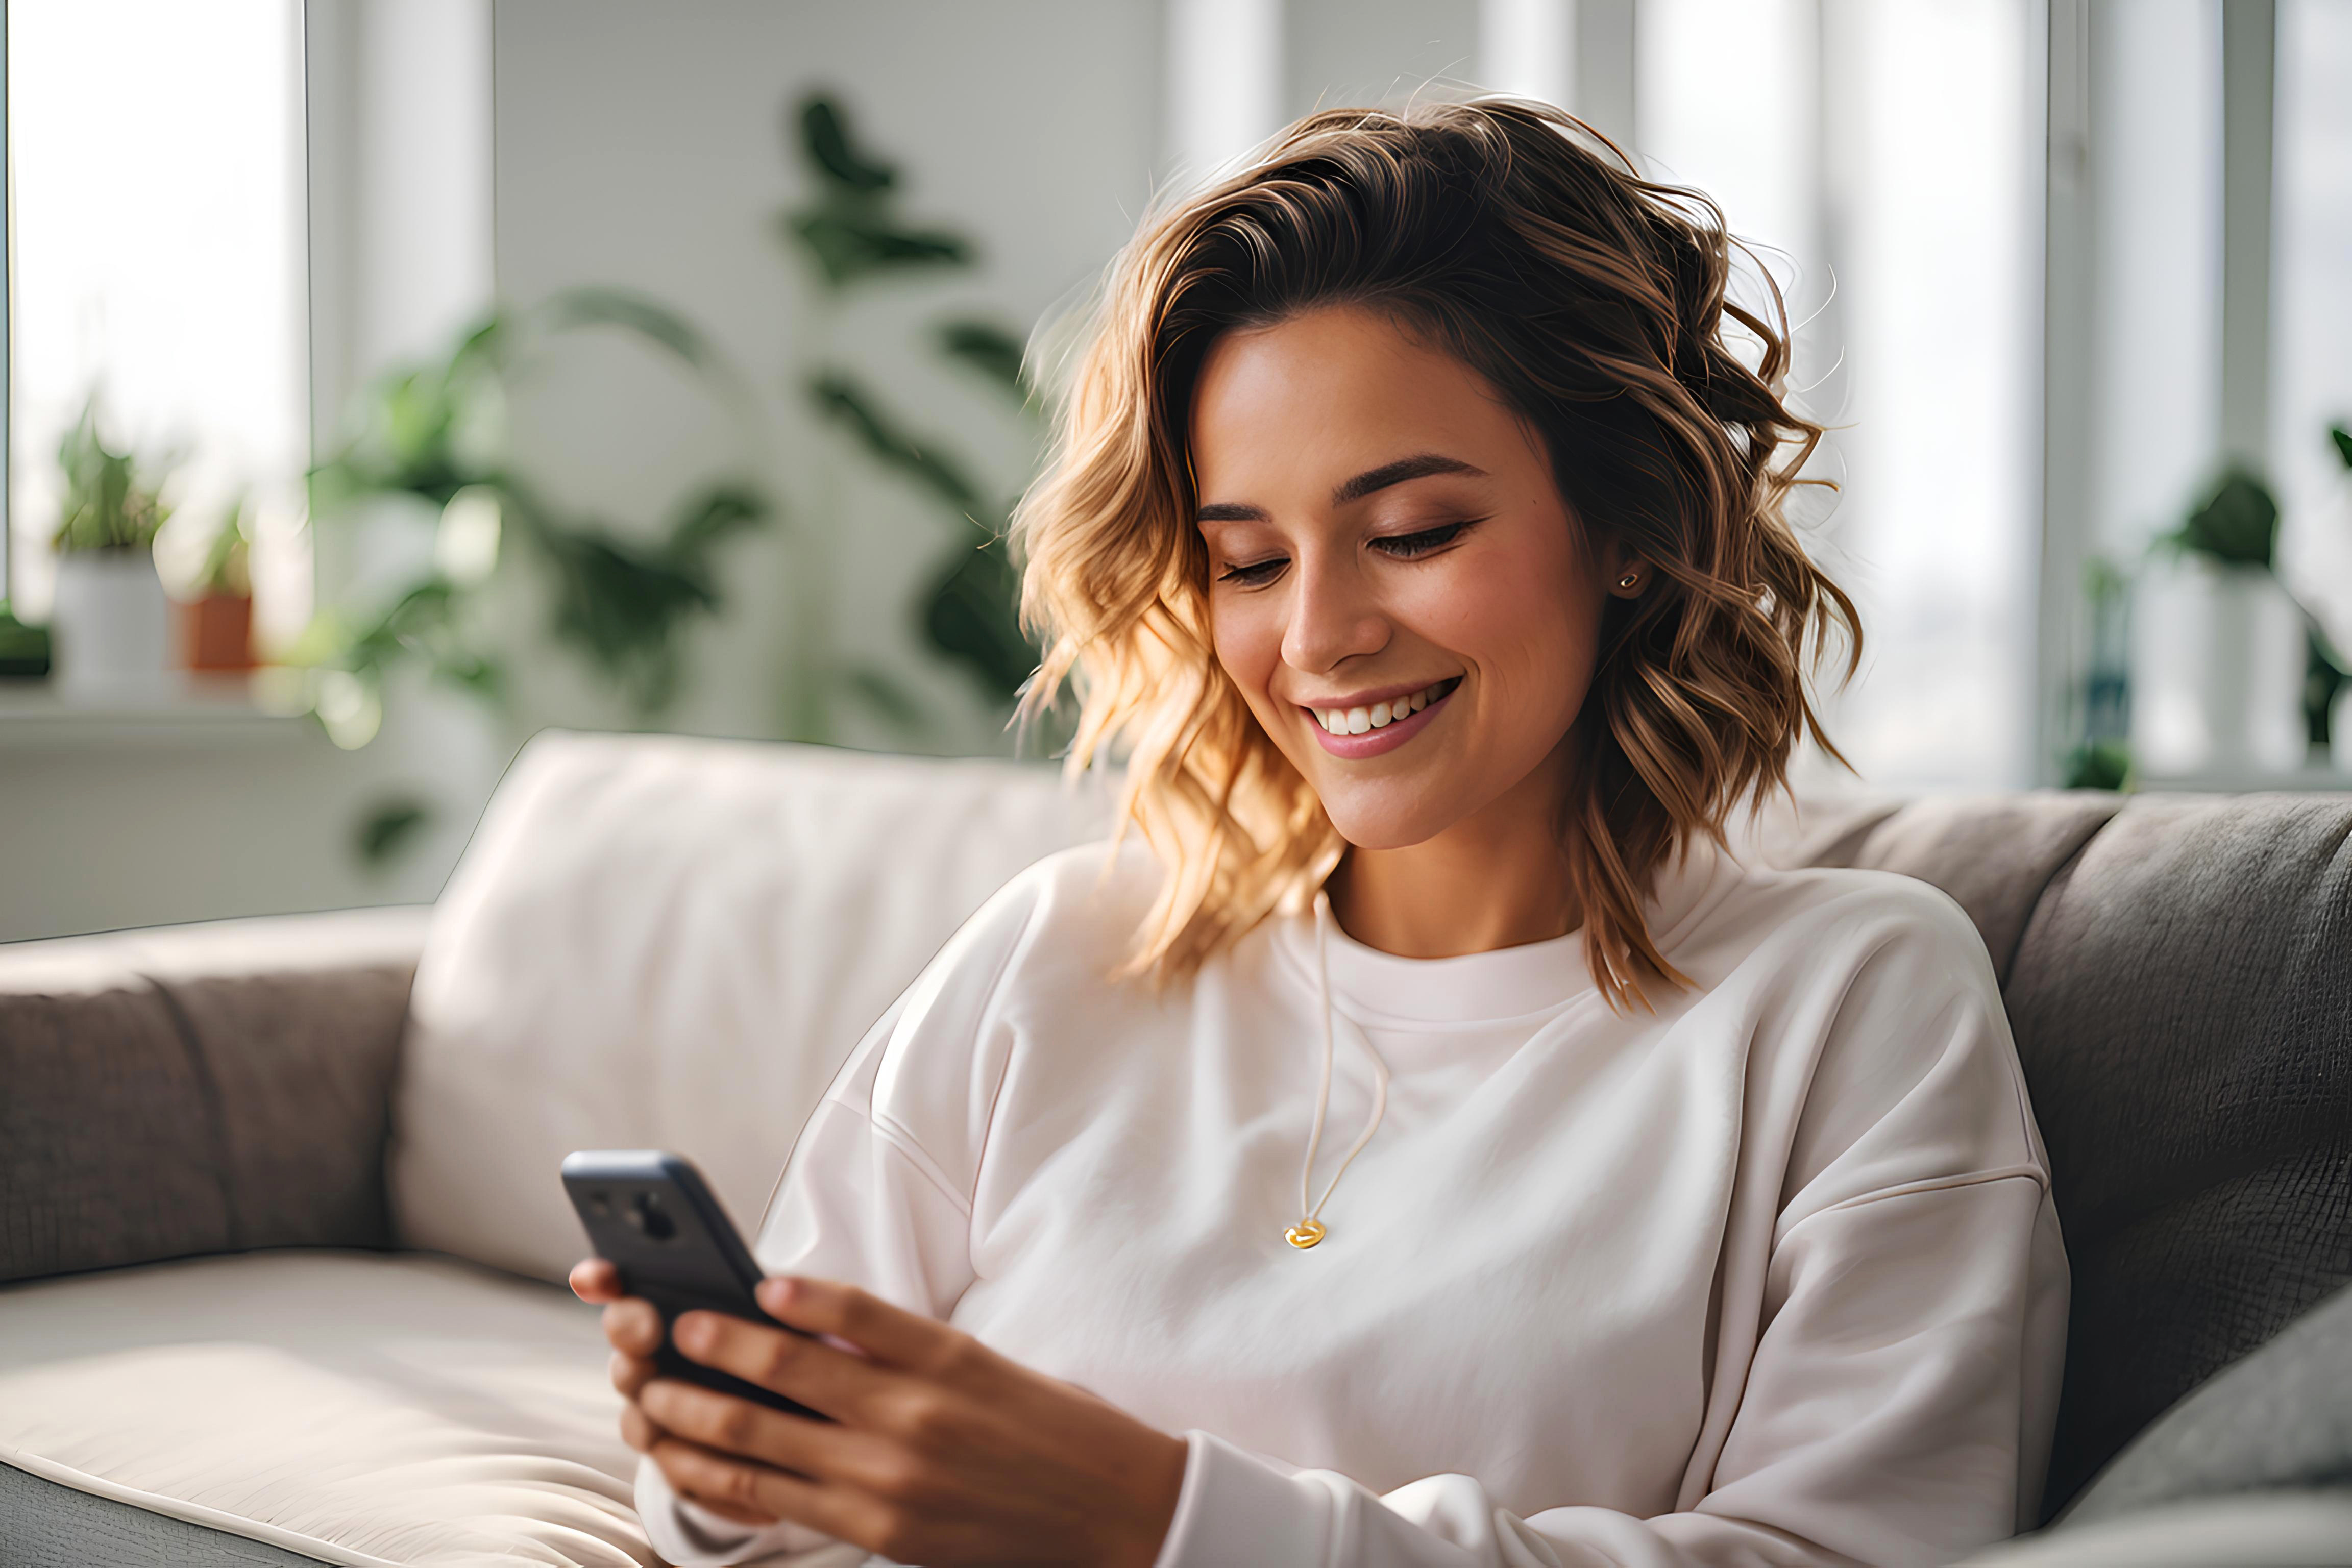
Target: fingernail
{"points": [[691, 1332], [775, 1295]]}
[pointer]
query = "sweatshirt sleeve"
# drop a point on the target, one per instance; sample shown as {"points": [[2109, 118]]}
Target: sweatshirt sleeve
{"points": [[867, 1200], [1902, 1338]]}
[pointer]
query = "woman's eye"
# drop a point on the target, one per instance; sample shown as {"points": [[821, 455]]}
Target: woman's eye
{"points": [[1255, 574], [1423, 541]]}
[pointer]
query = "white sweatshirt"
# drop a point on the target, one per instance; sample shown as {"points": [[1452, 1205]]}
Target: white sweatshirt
{"points": [[1769, 1275]]}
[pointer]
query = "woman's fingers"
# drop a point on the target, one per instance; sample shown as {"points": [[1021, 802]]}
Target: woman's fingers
{"points": [[637, 1430], [818, 1451], [633, 1326], [834, 1381], [890, 1333], [631, 1372], [754, 1493], [595, 1282]]}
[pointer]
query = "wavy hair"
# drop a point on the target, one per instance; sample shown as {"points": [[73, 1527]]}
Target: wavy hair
{"points": [[1595, 302]]}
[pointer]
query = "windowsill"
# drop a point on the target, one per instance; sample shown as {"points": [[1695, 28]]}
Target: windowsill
{"points": [[182, 709], [2246, 781]]}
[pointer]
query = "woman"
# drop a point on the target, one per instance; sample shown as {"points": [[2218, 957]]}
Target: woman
{"points": [[1429, 1119]]}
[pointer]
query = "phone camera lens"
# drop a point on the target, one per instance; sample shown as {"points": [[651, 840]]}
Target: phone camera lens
{"points": [[645, 1214]]}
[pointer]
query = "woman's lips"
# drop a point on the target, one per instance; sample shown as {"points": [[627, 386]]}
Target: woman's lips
{"points": [[1372, 743]]}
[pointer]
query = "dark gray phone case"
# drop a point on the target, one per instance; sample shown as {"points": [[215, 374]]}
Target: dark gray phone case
{"points": [[654, 1218]]}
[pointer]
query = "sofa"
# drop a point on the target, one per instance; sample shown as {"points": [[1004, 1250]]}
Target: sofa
{"points": [[280, 1232]]}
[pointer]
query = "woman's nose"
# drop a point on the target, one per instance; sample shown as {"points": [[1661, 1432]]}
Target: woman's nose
{"points": [[1333, 617]]}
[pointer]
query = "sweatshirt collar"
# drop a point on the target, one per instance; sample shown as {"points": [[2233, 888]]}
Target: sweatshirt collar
{"points": [[1508, 982]]}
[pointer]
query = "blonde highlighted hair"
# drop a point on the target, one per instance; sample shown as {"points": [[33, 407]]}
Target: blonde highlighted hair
{"points": [[1595, 301]]}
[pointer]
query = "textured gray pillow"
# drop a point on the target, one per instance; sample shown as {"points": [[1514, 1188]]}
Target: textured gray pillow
{"points": [[217, 1113], [2281, 1418]]}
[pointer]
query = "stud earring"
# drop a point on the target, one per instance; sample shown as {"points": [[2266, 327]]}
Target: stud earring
{"points": [[1631, 580]]}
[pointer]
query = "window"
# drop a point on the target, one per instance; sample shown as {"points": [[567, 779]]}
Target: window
{"points": [[1879, 160], [2311, 306], [156, 164]]}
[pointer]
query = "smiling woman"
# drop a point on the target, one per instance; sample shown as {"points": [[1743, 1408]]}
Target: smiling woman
{"points": [[1504, 357], [1416, 534]]}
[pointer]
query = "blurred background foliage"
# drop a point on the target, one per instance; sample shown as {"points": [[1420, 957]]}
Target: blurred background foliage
{"points": [[852, 234], [435, 433], [621, 595]]}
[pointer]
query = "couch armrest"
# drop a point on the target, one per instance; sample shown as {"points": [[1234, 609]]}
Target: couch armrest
{"points": [[199, 1088]]}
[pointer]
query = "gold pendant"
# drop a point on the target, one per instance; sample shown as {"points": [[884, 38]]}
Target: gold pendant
{"points": [[1305, 1233]]}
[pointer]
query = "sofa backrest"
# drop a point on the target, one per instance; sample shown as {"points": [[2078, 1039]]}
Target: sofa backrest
{"points": [[668, 943], [2178, 975], [663, 942]]}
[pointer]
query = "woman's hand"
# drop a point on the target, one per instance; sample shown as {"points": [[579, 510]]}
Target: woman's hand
{"points": [[633, 1328], [939, 1451]]}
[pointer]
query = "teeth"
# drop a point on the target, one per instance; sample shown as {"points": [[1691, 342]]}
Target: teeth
{"points": [[1378, 716]]}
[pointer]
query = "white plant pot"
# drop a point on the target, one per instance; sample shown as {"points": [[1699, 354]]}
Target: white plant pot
{"points": [[2217, 671], [109, 626]]}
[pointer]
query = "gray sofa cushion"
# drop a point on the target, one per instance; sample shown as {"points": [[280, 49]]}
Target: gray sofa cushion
{"points": [[2182, 1001], [1993, 853], [2280, 1418], [158, 1119]]}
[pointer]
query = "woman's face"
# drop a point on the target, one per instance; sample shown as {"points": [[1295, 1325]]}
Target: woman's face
{"points": [[1395, 584]]}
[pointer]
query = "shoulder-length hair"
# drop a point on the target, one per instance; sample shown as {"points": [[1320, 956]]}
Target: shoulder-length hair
{"points": [[1594, 301]]}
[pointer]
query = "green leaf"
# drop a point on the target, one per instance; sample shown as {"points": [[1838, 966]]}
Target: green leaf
{"points": [[725, 509], [24, 650], [840, 398], [833, 154], [849, 245], [2323, 676], [2343, 439], [2099, 764], [638, 313], [407, 435], [621, 603], [2237, 524], [973, 616], [389, 828], [107, 503], [989, 349]]}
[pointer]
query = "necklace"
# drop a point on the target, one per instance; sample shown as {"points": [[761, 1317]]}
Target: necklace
{"points": [[1311, 1228]]}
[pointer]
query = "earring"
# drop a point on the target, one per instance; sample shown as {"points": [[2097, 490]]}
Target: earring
{"points": [[1631, 580]]}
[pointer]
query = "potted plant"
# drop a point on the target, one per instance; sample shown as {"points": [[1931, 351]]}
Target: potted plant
{"points": [[24, 650], [108, 624], [216, 622], [2219, 644]]}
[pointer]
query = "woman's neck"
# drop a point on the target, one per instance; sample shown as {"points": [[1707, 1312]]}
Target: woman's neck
{"points": [[1495, 878]]}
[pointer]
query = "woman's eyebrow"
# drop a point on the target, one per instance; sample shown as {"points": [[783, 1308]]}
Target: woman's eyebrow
{"points": [[1418, 467]]}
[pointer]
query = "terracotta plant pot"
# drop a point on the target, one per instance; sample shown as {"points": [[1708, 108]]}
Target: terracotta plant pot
{"points": [[217, 632]]}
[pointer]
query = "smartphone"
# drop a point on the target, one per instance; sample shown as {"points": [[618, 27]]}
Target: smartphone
{"points": [[653, 1216]]}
